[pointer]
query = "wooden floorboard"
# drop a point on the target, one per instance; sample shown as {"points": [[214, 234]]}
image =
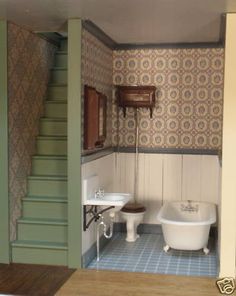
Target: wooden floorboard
{"points": [[111, 283], [27, 279], [41, 280]]}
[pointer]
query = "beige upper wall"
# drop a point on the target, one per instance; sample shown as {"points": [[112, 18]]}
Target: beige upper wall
{"points": [[228, 190], [188, 112], [142, 21]]}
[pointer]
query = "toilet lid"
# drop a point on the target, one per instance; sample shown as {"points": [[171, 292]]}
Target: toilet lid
{"points": [[133, 208]]}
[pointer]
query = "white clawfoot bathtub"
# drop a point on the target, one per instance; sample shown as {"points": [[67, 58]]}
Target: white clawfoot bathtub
{"points": [[186, 225]]}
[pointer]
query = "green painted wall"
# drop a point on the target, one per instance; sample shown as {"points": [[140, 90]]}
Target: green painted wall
{"points": [[74, 143], [4, 201]]}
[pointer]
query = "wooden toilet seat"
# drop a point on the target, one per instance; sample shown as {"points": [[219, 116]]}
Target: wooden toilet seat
{"points": [[133, 208]]}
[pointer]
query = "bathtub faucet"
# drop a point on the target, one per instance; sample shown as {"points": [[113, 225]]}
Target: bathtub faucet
{"points": [[189, 207]]}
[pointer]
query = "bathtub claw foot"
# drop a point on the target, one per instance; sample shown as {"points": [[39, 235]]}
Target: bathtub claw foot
{"points": [[166, 248], [206, 251]]}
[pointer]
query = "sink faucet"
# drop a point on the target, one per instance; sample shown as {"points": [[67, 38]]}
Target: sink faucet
{"points": [[99, 193]]}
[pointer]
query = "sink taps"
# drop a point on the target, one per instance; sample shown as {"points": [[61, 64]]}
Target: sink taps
{"points": [[99, 193]]}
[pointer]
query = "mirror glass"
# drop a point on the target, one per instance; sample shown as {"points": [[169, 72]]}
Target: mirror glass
{"points": [[102, 117]]}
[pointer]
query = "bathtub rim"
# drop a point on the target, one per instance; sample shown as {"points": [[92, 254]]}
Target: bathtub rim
{"points": [[210, 221]]}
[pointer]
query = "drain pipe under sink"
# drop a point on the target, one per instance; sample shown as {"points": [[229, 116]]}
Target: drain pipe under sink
{"points": [[104, 225]]}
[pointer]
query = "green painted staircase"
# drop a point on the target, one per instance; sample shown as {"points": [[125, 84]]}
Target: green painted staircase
{"points": [[42, 229]]}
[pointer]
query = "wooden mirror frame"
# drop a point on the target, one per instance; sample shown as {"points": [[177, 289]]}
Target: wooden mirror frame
{"points": [[94, 118]]}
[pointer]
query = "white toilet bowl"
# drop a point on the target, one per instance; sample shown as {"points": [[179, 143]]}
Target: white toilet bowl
{"points": [[133, 219]]}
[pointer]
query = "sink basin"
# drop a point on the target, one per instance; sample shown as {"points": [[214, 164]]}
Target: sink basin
{"points": [[117, 200], [113, 197]]}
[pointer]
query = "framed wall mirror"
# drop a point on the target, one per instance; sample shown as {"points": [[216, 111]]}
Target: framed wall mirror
{"points": [[95, 104]]}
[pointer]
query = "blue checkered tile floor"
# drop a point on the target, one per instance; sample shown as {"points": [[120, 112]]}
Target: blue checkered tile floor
{"points": [[147, 255]]}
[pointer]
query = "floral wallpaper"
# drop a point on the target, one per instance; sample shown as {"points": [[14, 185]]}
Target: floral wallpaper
{"points": [[189, 104], [97, 72], [29, 61]]}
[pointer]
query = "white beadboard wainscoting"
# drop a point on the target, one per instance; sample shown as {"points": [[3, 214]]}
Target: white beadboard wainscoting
{"points": [[161, 177], [165, 177], [103, 168]]}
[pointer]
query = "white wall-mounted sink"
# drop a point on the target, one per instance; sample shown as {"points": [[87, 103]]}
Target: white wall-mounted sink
{"points": [[117, 200]]}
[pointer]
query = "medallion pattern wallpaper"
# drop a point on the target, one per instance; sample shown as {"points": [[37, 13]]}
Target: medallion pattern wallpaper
{"points": [[97, 72], [29, 61], [189, 104]]}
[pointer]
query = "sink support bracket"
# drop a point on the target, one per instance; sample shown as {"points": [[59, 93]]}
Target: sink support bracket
{"points": [[94, 213]]}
